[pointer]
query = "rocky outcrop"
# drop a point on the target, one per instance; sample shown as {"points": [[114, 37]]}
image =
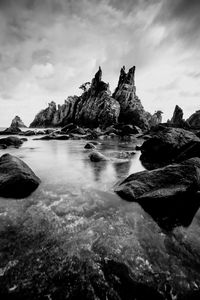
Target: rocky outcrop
{"points": [[17, 122], [166, 144], [177, 118], [17, 180], [45, 117], [131, 109], [11, 141], [96, 107], [194, 120]]}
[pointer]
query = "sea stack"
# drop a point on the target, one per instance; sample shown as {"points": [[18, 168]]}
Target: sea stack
{"points": [[17, 123]]}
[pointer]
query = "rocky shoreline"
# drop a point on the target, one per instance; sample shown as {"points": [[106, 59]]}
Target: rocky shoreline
{"points": [[146, 247]]}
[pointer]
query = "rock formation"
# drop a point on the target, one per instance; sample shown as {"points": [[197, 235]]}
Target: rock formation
{"points": [[131, 109], [95, 107], [194, 120], [177, 118], [156, 118], [45, 117], [17, 122]]}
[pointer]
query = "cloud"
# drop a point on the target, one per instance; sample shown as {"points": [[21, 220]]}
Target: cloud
{"points": [[49, 48]]}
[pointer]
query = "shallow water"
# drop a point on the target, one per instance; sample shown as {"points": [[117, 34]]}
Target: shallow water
{"points": [[75, 222], [64, 166]]}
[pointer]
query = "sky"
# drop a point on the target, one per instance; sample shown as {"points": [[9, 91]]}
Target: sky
{"points": [[48, 48]]}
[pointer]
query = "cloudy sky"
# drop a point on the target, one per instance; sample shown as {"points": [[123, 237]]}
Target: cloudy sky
{"points": [[48, 48]]}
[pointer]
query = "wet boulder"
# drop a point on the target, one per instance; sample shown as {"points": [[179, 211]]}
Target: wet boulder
{"points": [[169, 194], [96, 156], [163, 183], [17, 180], [11, 141], [90, 146], [166, 144]]}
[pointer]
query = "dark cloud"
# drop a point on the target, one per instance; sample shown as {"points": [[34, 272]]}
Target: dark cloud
{"points": [[181, 17]]}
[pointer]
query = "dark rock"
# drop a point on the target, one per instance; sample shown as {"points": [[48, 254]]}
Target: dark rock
{"points": [[24, 139], [17, 180], [3, 146], [90, 146], [11, 141], [28, 133], [77, 130], [131, 109], [129, 129], [53, 137], [45, 117], [68, 127], [17, 122], [165, 191], [12, 130], [177, 119], [166, 144], [194, 120], [96, 107], [96, 156]]}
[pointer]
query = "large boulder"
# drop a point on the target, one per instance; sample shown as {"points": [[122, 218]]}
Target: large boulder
{"points": [[169, 194], [166, 144], [11, 141], [163, 183], [17, 122], [17, 180], [131, 109], [194, 120]]}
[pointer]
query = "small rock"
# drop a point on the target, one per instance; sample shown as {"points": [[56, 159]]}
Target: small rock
{"points": [[96, 156], [90, 146]]}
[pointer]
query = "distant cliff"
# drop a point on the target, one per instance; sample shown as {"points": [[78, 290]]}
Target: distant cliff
{"points": [[97, 107]]}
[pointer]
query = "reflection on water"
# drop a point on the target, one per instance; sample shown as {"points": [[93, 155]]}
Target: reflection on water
{"points": [[64, 165]]}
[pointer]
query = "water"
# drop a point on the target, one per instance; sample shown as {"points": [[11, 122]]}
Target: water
{"points": [[64, 166]]}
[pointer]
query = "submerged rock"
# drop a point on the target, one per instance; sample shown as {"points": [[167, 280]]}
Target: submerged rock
{"points": [[96, 156], [90, 146], [17, 122], [17, 180]]}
